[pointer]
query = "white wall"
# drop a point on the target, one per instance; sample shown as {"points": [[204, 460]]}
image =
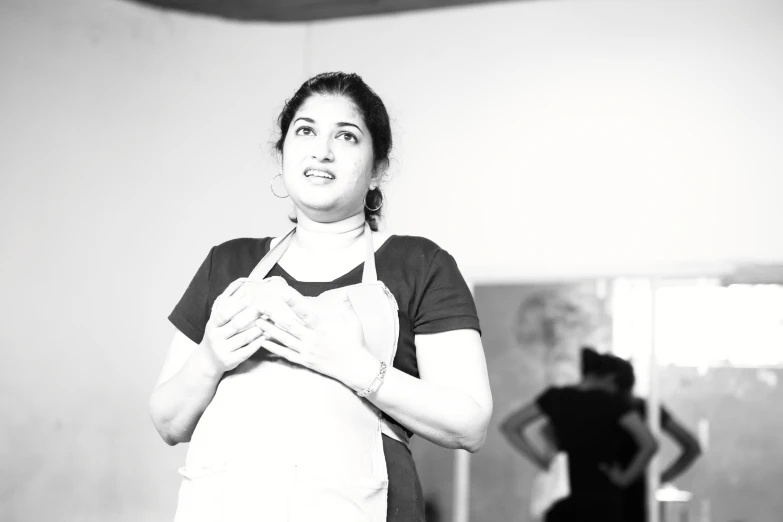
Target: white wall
{"points": [[580, 137], [538, 137], [131, 142]]}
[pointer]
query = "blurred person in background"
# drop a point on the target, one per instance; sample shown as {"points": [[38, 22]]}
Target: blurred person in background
{"points": [[587, 420]]}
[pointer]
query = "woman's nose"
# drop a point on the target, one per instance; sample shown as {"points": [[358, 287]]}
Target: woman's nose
{"points": [[322, 149]]}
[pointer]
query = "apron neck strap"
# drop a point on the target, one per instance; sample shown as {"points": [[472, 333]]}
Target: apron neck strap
{"points": [[271, 258], [369, 275]]}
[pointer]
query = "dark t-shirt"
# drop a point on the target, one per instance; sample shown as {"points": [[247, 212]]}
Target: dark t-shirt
{"points": [[431, 293], [635, 496], [586, 425]]}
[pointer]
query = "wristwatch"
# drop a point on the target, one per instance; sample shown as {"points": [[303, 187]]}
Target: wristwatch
{"points": [[375, 384]]}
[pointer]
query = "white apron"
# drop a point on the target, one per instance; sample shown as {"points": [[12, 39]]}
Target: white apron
{"points": [[280, 442]]}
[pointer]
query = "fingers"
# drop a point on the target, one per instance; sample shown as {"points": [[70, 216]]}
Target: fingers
{"points": [[282, 351], [270, 298], [228, 292], [251, 286], [243, 353], [613, 473], [279, 335], [225, 310], [301, 307], [242, 317], [244, 338], [346, 301], [284, 316], [606, 470]]}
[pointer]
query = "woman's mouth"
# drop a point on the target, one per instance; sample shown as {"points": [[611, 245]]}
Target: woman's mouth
{"points": [[318, 173]]}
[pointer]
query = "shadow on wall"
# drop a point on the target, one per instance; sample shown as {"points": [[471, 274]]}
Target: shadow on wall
{"points": [[432, 511]]}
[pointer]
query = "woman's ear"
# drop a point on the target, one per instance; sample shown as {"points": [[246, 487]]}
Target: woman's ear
{"points": [[378, 174]]}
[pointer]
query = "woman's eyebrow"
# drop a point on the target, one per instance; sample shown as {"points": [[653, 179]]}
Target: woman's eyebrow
{"points": [[347, 124]]}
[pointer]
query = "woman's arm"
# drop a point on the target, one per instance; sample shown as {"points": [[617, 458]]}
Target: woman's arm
{"points": [[514, 430], [451, 403], [185, 388], [191, 373], [646, 448], [689, 446]]}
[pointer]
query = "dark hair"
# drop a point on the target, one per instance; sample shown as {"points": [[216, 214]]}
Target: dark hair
{"points": [[625, 377], [593, 363], [372, 110]]}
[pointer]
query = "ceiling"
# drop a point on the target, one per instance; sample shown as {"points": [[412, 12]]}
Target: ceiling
{"points": [[302, 10]]}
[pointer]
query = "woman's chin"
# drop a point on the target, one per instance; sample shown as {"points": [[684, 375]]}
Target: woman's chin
{"points": [[325, 213], [317, 206], [321, 213]]}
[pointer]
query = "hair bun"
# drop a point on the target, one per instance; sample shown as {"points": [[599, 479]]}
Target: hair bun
{"points": [[592, 361]]}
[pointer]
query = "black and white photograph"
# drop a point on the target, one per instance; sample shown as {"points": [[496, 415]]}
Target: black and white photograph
{"points": [[391, 261]]}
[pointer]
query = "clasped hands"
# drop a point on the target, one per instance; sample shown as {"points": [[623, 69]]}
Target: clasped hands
{"points": [[322, 334]]}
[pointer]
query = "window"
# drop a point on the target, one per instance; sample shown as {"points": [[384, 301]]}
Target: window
{"points": [[738, 325]]}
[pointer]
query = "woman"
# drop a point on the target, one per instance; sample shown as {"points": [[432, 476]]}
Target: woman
{"points": [[635, 496], [586, 420], [303, 364]]}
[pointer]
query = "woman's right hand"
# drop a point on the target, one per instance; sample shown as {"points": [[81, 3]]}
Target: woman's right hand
{"points": [[271, 297], [616, 475], [230, 337], [545, 461]]}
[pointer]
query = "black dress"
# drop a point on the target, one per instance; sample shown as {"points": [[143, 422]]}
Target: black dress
{"points": [[432, 296], [586, 424]]}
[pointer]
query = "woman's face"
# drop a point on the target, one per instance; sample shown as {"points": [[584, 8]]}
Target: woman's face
{"points": [[328, 159]]}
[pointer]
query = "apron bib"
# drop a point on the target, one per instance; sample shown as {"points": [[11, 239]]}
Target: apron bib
{"points": [[280, 442]]}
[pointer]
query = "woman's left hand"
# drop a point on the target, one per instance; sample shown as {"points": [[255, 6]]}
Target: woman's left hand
{"points": [[616, 475], [329, 340]]}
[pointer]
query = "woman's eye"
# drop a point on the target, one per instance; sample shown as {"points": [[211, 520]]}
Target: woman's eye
{"points": [[347, 136], [304, 131]]}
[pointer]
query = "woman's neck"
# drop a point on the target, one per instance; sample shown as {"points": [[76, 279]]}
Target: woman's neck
{"points": [[328, 237]]}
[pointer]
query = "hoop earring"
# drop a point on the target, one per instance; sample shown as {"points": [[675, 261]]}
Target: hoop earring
{"points": [[379, 206], [272, 188]]}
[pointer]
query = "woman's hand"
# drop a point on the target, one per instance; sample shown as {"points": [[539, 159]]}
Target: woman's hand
{"points": [[616, 475], [230, 337], [514, 428], [327, 338], [543, 461], [270, 297]]}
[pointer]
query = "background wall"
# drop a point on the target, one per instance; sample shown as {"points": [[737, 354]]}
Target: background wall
{"points": [[131, 141], [533, 138], [571, 137]]}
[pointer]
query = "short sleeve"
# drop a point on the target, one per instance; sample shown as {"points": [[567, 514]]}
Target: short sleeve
{"points": [[446, 303], [618, 408], [547, 401], [639, 405], [191, 313]]}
